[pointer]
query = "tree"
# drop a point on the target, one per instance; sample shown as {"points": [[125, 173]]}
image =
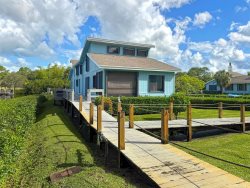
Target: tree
{"points": [[223, 79], [3, 73], [189, 84], [13, 80], [201, 73]]}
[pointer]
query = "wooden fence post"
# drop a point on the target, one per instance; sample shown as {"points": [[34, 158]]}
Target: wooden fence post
{"points": [[121, 130], [119, 107], [220, 110], [91, 113], [171, 110], [102, 102], [242, 117], [99, 118], [131, 116], [80, 103], [189, 122], [164, 126]]}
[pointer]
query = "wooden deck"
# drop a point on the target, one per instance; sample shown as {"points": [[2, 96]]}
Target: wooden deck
{"points": [[166, 165]]}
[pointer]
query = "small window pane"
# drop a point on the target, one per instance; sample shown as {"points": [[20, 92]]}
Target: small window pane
{"points": [[156, 83], [142, 53], [80, 69], [242, 87], [113, 50], [129, 51], [230, 88], [212, 87], [87, 64]]}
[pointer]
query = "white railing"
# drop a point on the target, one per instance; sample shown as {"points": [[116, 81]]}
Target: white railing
{"points": [[96, 92], [68, 94]]}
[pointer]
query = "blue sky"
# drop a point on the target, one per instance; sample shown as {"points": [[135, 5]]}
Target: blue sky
{"points": [[186, 33]]}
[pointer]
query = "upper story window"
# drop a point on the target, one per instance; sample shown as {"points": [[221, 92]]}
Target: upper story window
{"points": [[242, 87], [113, 50], [80, 68], [129, 51], [87, 64], [142, 53], [156, 83], [77, 70]]}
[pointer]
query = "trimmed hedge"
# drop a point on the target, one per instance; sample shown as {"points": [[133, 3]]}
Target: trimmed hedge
{"points": [[17, 116], [144, 104]]}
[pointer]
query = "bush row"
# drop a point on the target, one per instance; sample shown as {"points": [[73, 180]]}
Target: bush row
{"points": [[17, 116], [143, 104]]}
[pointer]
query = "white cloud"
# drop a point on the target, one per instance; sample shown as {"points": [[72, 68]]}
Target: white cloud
{"points": [[14, 65], [202, 18], [242, 34], [240, 9]]}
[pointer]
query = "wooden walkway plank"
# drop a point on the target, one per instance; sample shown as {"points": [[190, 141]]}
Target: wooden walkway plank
{"points": [[166, 165]]}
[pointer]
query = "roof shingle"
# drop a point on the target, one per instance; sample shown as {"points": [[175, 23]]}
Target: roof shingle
{"points": [[130, 63]]}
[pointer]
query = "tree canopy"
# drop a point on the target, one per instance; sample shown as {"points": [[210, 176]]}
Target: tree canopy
{"points": [[35, 81], [202, 73], [189, 84], [223, 79]]}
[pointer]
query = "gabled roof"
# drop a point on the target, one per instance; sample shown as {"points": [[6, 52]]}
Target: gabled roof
{"points": [[235, 74], [107, 61], [240, 80]]}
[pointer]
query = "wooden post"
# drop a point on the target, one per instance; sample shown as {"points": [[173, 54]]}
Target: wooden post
{"points": [[242, 117], [99, 118], [164, 126], [220, 108], [80, 103], [189, 122], [121, 130], [102, 102], [171, 110], [91, 113], [131, 116], [119, 107]]}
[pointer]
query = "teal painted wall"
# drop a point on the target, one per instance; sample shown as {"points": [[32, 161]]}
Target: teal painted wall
{"points": [[169, 84]]}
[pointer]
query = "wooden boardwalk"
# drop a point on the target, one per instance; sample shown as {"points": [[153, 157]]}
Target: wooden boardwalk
{"points": [[166, 165], [195, 123]]}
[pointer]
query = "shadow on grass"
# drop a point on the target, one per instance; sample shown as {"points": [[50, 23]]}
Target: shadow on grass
{"points": [[93, 149]]}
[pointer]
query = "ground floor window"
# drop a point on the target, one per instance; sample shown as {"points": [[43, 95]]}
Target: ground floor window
{"points": [[79, 86], [230, 87], [156, 83], [242, 87], [212, 87]]}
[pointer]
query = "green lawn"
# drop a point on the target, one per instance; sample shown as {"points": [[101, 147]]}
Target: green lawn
{"points": [[54, 145], [232, 147], [196, 114]]}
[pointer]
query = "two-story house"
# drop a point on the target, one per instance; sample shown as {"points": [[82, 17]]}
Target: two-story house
{"points": [[121, 69]]}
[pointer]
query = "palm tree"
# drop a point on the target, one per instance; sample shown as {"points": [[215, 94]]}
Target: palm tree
{"points": [[223, 79]]}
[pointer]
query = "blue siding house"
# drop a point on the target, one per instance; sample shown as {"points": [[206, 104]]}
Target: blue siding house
{"points": [[239, 84], [121, 69]]}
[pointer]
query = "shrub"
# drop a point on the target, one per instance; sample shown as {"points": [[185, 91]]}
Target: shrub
{"points": [[179, 99], [17, 116], [143, 104]]}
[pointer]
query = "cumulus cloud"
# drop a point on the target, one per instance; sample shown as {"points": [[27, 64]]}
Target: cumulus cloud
{"points": [[202, 18], [13, 65], [242, 34]]}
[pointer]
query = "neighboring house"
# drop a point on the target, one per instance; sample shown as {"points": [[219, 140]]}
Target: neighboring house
{"points": [[240, 84], [121, 69]]}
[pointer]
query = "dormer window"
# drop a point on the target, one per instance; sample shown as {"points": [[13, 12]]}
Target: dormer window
{"points": [[129, 51], [113, 50], [142, 53]]}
